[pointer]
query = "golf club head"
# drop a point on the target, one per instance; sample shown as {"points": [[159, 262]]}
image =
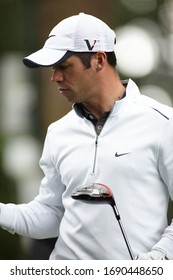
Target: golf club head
{"points": [[99, 193], [94, 192]]}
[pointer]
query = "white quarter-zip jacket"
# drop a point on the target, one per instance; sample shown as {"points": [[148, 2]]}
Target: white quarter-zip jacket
{"points": [[133, 155]]}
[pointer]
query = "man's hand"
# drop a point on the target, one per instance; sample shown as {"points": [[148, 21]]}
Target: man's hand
{"points": [[152, 255]]}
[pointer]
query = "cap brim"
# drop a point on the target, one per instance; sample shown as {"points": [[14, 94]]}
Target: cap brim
{"points": [[46, 57]]}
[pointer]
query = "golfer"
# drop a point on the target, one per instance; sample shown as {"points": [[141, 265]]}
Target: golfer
{"points": [[113, 136]]}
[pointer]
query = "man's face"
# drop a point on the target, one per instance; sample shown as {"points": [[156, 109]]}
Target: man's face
{"points": [[75, 82]]}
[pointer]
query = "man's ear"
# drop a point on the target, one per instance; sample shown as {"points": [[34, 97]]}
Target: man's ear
{"points": [[100, 60]]}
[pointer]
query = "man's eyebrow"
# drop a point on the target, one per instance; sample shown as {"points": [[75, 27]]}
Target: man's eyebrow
{"points": [[58, 64]]}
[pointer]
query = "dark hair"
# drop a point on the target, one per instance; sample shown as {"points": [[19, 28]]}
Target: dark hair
{"points": [[112, 60], [85, 57]]}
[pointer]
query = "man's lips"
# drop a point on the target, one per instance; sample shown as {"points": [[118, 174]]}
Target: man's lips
{"points": [[64, 91]]}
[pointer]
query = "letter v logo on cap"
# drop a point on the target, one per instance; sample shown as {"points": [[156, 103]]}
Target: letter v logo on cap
{"points": [[90, 47]]}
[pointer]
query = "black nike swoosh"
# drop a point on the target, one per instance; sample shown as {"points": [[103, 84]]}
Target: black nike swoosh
{"points": [[51, 36], [119, 155]]}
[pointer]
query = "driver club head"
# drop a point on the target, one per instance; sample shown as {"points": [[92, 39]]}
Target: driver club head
{"points": [[94, 192], [100, 193]]}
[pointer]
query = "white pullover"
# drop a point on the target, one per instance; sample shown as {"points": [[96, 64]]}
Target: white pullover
{"points": [[133, 155]]}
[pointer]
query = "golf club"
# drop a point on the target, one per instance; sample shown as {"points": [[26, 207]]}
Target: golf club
{"points": [[99, 193]]}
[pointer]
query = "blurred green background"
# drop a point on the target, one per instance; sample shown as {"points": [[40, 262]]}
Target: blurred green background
{"points": [[29, 102]]}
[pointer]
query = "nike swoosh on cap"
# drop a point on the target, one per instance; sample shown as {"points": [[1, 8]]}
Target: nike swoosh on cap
{"points": [[50, 36]]}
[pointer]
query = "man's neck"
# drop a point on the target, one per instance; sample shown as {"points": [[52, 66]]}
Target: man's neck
{"points": [[104, 104]]}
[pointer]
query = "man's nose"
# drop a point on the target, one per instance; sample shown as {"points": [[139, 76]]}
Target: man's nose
{"points": [[57, 76]]}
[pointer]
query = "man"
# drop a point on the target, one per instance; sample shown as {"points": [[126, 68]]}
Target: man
{"points": [[113, 136]]}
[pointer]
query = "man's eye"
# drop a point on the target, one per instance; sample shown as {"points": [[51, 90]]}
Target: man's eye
{"points": [[60, 67], [63, 67]]}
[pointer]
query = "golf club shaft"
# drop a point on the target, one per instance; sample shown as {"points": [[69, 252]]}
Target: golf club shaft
{"points": [[123, 231]]}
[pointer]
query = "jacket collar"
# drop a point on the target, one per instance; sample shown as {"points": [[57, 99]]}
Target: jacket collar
{"points": [[131, 91]]}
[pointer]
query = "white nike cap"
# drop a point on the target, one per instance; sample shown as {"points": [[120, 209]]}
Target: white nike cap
{"points": [[78, 33]]}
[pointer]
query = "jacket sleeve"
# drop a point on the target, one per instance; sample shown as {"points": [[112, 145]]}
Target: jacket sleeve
{"points": [[41, 217], [166, 170]]}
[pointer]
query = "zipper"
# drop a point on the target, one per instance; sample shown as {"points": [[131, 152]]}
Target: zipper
{"points": [[95, 154]]}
